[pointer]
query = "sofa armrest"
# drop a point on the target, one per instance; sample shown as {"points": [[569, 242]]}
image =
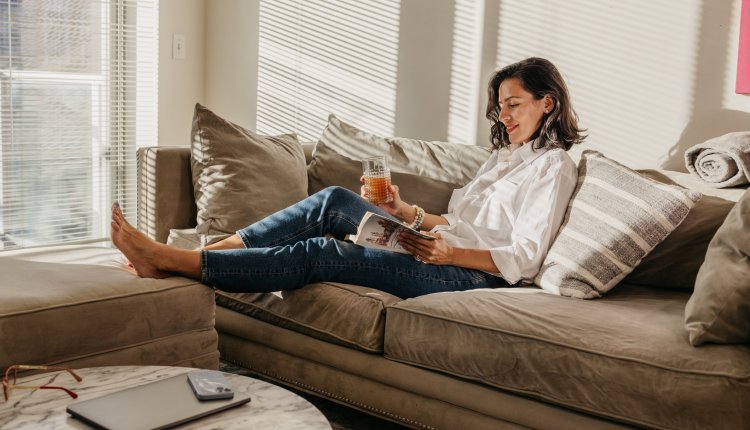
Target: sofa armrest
{"points": [[165, 191]]}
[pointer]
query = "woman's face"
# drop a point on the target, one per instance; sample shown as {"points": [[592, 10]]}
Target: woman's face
{"points": [[520, 113]]}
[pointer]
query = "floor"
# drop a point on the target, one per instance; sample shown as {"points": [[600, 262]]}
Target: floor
{"points": [[340, 417]]}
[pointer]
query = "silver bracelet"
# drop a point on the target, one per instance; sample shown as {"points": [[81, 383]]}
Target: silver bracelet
{"points": [[418, 217]]}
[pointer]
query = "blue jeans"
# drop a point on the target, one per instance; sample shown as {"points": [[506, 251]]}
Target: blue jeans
{"points": [[288, 250]]}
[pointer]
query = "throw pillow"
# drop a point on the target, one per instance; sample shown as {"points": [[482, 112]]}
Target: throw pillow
{"points": [[426, 172], [719, 309], [239, 177], [674, 263], [614, 219]]}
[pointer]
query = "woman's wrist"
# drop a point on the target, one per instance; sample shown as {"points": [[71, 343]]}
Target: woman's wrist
{"points": [[407, 213], [418, 217]]}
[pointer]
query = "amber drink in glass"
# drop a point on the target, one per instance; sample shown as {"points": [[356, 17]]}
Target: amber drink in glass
{"points": [[377, 177]]}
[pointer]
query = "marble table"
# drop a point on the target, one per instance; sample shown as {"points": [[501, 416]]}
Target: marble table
{"points": [[271, 406]]}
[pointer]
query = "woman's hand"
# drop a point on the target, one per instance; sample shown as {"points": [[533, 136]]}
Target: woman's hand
{"points": [[395, 207], [440, 253], [428, 251]]}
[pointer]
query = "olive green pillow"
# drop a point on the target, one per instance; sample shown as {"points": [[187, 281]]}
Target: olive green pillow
{"points": [[240, 177], [719, 309]]}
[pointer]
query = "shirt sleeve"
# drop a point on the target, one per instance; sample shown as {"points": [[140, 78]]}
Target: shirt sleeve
{"points": [[450, 218], [537, 222]]}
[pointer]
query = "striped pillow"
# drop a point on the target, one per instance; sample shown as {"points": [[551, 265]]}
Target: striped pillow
{"points": [[614, 219]]}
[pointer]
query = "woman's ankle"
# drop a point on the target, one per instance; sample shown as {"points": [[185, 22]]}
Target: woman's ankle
{"points": [[183, 262]]}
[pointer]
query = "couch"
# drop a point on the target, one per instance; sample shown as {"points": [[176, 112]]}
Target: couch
{"points": [[77, 306], [509, 358], [482, 359]]}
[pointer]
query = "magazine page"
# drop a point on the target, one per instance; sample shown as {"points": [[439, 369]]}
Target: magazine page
{"points": [[376, 231]]}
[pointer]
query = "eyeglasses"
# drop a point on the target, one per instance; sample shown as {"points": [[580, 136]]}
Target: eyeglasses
{"points": [[9, 380]]}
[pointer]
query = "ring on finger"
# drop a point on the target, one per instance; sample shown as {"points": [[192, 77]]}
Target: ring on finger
{"points": [[418, 258]]}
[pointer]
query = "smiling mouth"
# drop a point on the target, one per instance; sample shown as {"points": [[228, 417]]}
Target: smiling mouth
{"points": [[510, 129]]}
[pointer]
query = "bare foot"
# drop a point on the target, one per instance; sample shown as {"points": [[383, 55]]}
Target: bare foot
{"points": [[140, 251]]}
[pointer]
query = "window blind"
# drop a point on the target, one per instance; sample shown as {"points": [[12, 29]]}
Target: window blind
{"points": [[78, 94], [317, 57]]}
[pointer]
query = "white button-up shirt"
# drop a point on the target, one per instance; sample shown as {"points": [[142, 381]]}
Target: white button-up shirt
{"points": [[513, 207]]}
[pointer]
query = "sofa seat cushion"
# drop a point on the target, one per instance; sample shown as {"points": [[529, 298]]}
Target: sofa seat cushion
{"points": [[64, 304], [344, 314], [625, 356]]}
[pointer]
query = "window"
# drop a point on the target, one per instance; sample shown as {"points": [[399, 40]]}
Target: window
{"points": [[77, 95]]}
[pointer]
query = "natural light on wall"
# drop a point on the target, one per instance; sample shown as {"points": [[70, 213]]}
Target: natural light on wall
{"points": [[318, 57], [77, 94], [465, 65], [630, 66]]}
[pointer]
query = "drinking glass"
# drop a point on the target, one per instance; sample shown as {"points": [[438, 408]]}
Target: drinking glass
{"points": [[377, 177]]}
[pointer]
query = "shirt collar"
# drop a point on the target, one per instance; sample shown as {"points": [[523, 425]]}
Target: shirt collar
{"points": [[528, 153]]}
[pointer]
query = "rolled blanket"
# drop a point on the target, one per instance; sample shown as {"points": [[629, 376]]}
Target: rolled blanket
{"points": [[723, 161]]}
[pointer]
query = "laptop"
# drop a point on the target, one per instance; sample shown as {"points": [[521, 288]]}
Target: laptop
{"points": [[156, 405]]}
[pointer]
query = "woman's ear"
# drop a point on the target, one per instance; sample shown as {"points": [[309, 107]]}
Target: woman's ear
{"points": [[549, 103]]}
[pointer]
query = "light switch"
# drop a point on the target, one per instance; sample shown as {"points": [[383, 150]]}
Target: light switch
{"points": [[178, 46]]}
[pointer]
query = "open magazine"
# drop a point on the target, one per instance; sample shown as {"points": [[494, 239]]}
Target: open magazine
{"points": [[376, 231]]}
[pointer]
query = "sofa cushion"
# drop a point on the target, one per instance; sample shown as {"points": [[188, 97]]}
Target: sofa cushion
{"points": [[67, 304], [625, 356], [719, 309], [426, 172], [339, 313], [614, 219], [674, 263], [239, 176]]}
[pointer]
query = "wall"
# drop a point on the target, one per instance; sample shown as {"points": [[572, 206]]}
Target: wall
{"points": [[181, 82], [648, 79], [232, 58]]}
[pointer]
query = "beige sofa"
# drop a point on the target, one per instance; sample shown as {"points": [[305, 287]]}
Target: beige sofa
{"points": [[77, 306], [471, 360]]}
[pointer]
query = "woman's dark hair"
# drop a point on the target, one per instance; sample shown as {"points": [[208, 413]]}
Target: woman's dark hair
{"points": [[540, 77]]}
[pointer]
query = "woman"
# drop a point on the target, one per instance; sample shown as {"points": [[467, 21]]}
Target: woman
{"points": [[497, 230]]}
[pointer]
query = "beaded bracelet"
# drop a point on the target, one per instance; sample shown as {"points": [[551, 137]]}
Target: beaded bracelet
{"points": [[418, 217]]}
